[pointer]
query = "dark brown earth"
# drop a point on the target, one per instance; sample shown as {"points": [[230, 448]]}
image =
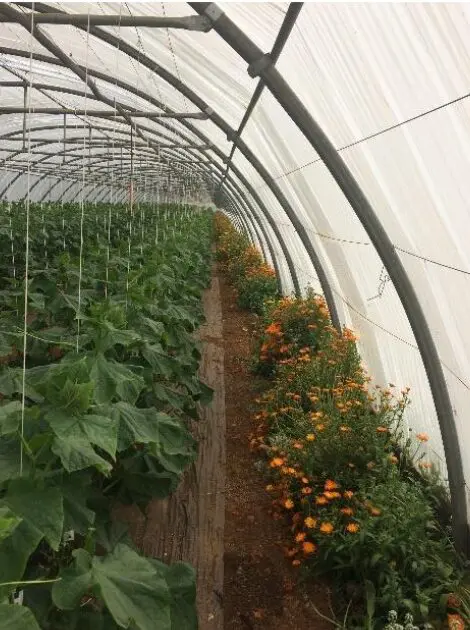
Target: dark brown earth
{"points": [[261, 588]]}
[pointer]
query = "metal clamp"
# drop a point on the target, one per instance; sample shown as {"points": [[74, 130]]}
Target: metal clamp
{"points": [[258, 66]]}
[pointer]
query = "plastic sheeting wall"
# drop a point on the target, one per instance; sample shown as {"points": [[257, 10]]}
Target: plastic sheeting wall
{"points": [[389, 83]]}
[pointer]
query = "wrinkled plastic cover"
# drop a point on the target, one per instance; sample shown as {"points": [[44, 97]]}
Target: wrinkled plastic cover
{"points": [[387, 82]]}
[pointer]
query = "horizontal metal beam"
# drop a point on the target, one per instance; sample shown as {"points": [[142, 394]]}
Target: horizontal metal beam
{"points": [[99, 112], [188, 23]]}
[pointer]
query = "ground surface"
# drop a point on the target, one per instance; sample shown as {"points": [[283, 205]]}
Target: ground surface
{"points": [[218, 520], [261, 589]]}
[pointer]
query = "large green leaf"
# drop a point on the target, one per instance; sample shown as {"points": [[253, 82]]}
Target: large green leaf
{"points": [[8, 522], [42, 508], [10, 449], [175, 447], [133, 589], [76, 492], [10, 416], [181, 580], [102, 431], [114, 380], [13, 617], [136, 425], [76, 454], [14, 553]]}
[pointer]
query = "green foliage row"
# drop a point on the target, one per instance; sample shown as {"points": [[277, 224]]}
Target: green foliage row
{"points": [[98, 381]]}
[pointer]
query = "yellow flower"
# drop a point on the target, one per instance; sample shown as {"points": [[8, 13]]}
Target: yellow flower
{"points": [[326, 528], [300, 537], [352, 528], [345, 429], [348, 494], [270, 487], [310, 522], [310, 437]]}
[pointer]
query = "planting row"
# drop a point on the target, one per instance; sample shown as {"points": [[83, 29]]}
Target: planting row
{"points": [[364, 506], [98, 377]]}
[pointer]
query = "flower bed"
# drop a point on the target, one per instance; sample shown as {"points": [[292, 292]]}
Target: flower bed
{"points": [[360, 497], [254, 280]]}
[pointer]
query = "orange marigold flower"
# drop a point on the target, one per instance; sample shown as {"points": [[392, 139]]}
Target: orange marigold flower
{"points": [[276, 462], [422, 437], [321, 500], [288, 504], [305, 480], [348, 494], [310, 522], [309, 547], [273, 329], [330, 485], [327, 528], [295, 563], [425, 465], [455, 622], [382, 430], [347, 510], [300, 537], [307, 490], [310, 437], [352, 528], [332, 495]]}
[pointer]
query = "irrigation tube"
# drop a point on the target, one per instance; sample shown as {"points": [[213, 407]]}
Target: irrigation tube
{"points": [[260, 65]]}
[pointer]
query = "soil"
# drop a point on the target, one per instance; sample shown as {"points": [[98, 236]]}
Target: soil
{"points": [[261, 589]]}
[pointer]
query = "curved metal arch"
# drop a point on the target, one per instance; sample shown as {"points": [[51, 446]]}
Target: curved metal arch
{"points": [[195, 131], [231, 133], [264, 210], [346, 181]]}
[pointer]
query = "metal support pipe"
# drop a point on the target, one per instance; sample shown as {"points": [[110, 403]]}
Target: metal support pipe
{"points": [[189, 23], [282, 37], [100, 113], [384, 247]]}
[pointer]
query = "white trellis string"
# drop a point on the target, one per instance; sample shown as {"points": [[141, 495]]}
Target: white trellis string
{"points": [[82, 201], [26, 272]]}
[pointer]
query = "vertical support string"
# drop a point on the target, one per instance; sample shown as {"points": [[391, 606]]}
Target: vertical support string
{"points": [[82, 200], [26, 272]]}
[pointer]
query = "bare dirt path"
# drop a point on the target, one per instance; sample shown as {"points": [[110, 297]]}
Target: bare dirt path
{"points": [[261, 589]]}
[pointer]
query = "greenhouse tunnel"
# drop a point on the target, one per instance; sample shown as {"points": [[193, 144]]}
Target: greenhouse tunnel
{"points": [[334, 135]]}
